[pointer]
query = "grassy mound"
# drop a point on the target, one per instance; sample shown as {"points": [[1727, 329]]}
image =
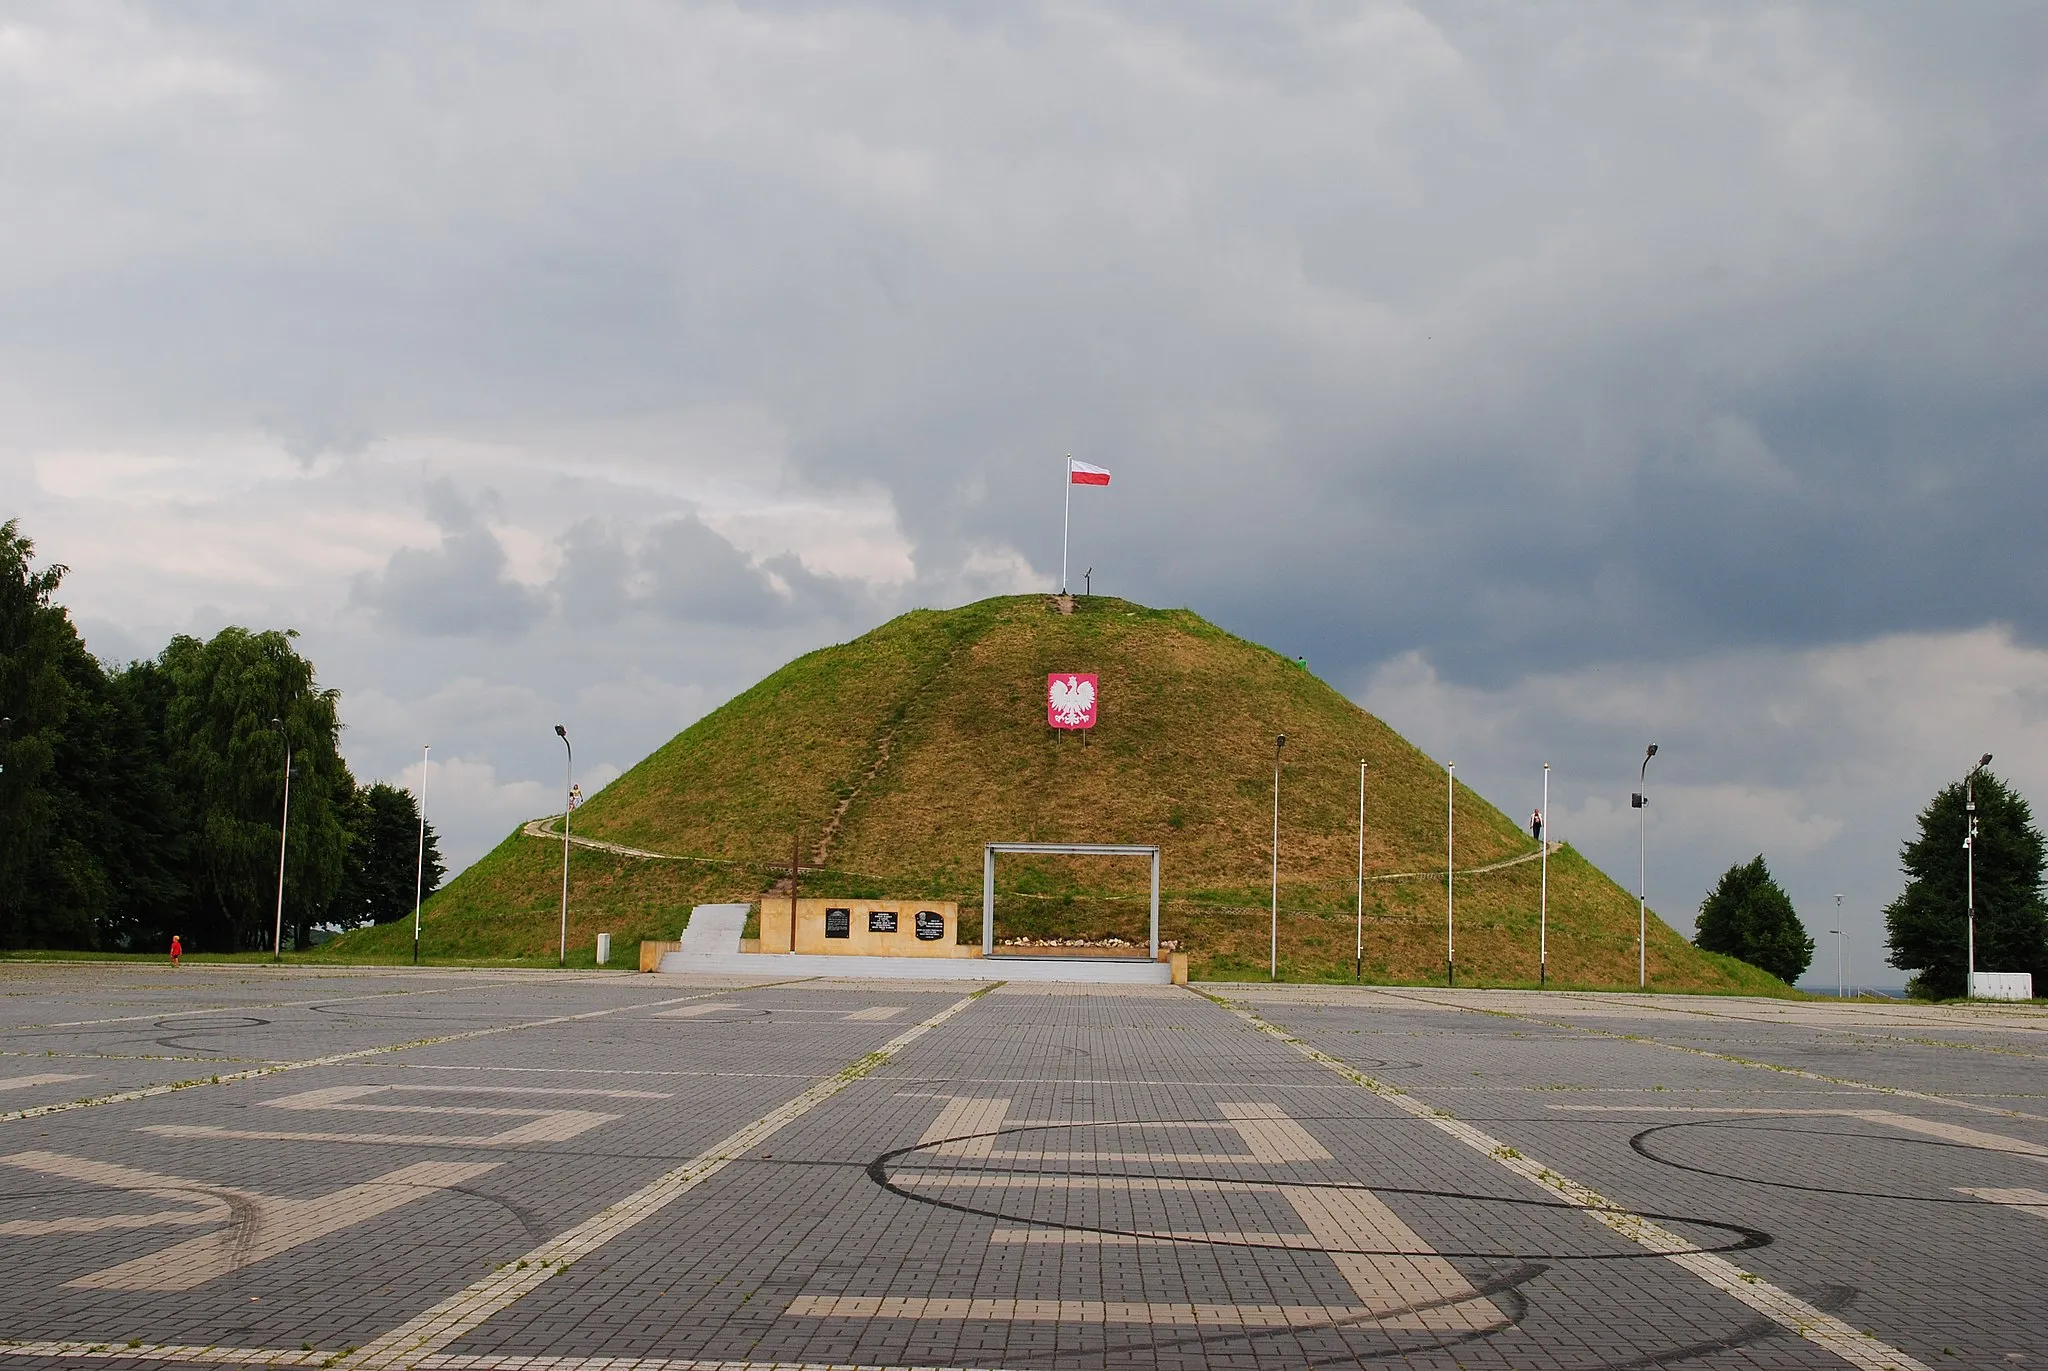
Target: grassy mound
{"points": [[893, 758]]}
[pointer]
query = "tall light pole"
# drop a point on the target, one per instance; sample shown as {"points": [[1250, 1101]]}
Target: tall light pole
{"points": [[1543, 889], [1273, 971], [1641, 801], [1450, 875], [419, 870], [1839, 936], [568, 770], [1358, 957], [1970, 851], [284, 830]]}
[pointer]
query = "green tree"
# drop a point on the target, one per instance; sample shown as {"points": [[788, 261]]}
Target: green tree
{"points": [[93, 835], [1748, 915], [384, 857], [53, 891], [229, 758], [1927, 925]]}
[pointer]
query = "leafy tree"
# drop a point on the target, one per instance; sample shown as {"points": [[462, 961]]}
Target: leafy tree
{"points": [[146, 820], [229, 758], [92, 832], [1927, 925], [1748, 915], [384, 857], [52, 889]]}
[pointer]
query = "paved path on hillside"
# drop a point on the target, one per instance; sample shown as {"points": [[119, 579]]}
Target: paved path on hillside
{"points": [[544, 828], [538, 1171]]}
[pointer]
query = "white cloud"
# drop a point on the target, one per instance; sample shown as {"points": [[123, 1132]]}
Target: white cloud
{"points": [[1550, 345], [1818, 758]]}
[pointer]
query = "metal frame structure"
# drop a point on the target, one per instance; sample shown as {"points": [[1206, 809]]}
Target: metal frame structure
{"points": [[988, 880]]}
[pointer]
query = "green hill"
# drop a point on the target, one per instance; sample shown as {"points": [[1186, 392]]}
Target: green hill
{"points": [[897, 755]]}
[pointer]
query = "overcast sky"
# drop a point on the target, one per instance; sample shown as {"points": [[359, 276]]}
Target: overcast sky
{"points": [[1556, 378]]}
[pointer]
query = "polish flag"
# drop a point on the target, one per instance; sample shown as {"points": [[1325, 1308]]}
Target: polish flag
{"points": [[1081, 474]]}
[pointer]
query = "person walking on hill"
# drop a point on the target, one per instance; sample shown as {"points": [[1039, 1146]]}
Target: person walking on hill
{"points": [[1536, 825], [177, 951]]}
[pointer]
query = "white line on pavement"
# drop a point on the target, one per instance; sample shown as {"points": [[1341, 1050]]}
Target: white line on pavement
{"points": [[243, 1008], [165, 1088], [2034, 1202], [47, 1078], [1782, 1307], [260, 1227], [1150, 1312], [429, 1332], [496, 1361], [1900, 1091], [1905, 1123]]}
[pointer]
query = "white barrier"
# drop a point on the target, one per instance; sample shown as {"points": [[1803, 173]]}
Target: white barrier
{"points": [[2002, 985]]}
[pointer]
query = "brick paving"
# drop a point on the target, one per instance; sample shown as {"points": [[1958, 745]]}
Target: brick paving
{"points": [[591, 1172]]}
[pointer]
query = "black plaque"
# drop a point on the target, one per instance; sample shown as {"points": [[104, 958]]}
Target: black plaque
{"points": [[881, 921], [931, 925], [839, 923]]}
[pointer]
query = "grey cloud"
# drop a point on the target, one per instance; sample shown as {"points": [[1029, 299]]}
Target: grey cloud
{"points": [[591, 585], [1517, 337], [460, 587], [682, 570], [696, 576]]}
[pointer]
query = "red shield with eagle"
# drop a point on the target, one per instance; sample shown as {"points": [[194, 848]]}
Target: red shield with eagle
{"points": [[1070, 700]]}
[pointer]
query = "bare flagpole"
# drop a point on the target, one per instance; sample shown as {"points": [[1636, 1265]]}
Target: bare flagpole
{"points": [[1358, 957], [1066, 520], [1450, 876], [419, 870], [1543, 905]]}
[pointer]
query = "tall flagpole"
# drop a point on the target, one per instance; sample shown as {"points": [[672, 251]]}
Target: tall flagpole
{"points": [[1450, 877], [1358, 956], [1543, 899], [1065, 520], [419, 870]]}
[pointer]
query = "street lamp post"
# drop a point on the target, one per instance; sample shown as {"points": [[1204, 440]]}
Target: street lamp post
{"points": [[1358, 957], [1970, 857], [1641, 801], [568, 770], [1543, 891], [1450, 874], [284, 830], [1273, 970], [1839, 935], [419, 870]]}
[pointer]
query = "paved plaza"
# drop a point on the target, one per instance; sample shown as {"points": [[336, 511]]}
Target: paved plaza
{"points": [[234, 1165]]}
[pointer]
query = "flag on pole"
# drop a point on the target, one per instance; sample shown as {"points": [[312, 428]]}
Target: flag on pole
{"points": [[1078, 474]]}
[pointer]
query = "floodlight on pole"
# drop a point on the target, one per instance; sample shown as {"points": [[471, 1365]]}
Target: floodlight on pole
{"points": [[568, 804], [419, 870], [1641, 801], [284, 829], [1970, 877], [1450, 874], [1358, 957], [1273, 970], [1543, 889]]}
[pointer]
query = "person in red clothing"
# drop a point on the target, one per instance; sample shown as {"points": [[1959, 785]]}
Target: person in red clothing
{"points": [[177, 950]]}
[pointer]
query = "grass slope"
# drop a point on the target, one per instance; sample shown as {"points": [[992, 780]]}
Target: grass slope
{"points": [[916, 743]]}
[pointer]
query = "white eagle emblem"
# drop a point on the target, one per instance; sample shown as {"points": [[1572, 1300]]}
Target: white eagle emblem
{"points": [[1072, 701]]}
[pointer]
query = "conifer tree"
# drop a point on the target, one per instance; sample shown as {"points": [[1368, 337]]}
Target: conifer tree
{"points": [[1748, 915], [1927, 925]]}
